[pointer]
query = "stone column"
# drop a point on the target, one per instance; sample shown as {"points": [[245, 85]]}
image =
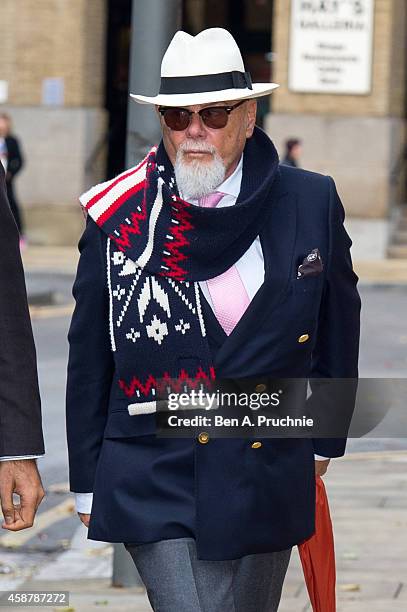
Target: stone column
{"points": [[355, 138], [59, 121]]}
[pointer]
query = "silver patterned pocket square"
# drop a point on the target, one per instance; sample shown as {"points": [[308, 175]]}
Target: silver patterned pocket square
{"points": [[311, 266]]}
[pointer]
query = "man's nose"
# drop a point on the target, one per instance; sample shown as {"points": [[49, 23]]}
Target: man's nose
{"points": [[196, 128]]}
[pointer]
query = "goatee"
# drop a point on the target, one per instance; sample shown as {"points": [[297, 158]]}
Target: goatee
{"points": [[197, 178]]}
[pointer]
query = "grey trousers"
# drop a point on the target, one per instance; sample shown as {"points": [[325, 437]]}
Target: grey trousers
{"points": [[177, 581]]}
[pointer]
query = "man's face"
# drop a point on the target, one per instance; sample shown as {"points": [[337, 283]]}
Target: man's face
{"points": [[4, 127], [296, 151], [227, 142]]}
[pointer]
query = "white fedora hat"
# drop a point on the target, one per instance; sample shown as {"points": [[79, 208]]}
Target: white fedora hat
{"points": [[204, 68]]}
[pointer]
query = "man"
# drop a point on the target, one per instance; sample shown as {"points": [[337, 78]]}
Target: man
{"points": [[21, 439], [292, 152], [169, 293]]}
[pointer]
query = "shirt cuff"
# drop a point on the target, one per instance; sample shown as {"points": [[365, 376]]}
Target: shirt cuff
{"points": [[18, 457], [83, 502], [321, 458]]}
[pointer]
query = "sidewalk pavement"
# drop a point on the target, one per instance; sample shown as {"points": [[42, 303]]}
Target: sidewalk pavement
{"points": [[64, 260], [368, 500], [52, 259]]}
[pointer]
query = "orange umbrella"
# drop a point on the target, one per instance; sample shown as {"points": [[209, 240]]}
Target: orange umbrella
{"points": [[317, 556]]}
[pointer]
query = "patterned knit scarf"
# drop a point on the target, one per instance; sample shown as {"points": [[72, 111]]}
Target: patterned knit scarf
{"points": [[158, 247]]}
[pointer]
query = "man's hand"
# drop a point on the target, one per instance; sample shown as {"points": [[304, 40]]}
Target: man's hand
{"points": [[85, 518], [20, 477], [321, 467]]}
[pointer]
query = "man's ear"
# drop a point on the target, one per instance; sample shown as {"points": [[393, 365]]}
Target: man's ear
{"points": [[251, 117], [159, 116]]}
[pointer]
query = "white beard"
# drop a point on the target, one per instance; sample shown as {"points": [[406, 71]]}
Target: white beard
{"points": [[196, 178]]}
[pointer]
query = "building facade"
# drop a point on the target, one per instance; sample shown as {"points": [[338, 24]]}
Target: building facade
{"points": [[64, 81]]}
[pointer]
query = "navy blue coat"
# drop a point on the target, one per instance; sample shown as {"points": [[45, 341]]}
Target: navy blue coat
{"points": [[235, 500]]}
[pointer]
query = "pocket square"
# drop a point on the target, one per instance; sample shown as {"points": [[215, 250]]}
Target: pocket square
{"points": [[311, 265]]}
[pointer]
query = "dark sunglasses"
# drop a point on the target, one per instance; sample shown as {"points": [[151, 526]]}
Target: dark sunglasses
{"points": [[215, 117]]}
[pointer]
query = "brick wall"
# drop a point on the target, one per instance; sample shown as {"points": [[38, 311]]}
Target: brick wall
{"points": [[53, 38]]}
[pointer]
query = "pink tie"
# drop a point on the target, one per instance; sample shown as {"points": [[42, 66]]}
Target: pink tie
{"points": [[228, 293]]}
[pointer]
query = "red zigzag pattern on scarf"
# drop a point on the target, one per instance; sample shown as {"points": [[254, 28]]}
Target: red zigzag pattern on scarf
{"points": [[180, 214], [125, 230], [161, 383]]}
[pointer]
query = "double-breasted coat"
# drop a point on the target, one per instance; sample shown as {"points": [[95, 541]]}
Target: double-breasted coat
{"points": [[232, 498]]}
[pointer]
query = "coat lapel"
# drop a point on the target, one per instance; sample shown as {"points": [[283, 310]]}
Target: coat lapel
{"points": [[278, 241]]}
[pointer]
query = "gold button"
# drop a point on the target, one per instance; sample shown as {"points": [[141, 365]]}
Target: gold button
{"points": [[256, 445], [303, 338], [203, 437], [260, 388]]}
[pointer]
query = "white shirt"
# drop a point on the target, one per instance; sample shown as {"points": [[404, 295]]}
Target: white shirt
{"points": [[3, 153], [16, 457], [250, 267]]}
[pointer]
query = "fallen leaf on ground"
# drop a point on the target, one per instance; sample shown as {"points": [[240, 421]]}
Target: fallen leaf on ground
{"points": [[349, 587]]}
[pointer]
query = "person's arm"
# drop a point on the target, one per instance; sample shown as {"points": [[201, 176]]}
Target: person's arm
{"points": [[20, 406], [337, 349], [90, 364], [21, 434]]}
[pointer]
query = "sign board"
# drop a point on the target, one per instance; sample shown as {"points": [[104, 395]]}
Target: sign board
{"points": [[53, 91], [331, 46]]}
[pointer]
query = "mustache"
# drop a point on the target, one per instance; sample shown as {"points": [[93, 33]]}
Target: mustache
{"points": [[196, 145]]}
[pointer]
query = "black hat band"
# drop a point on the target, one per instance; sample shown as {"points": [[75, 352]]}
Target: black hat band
{"points": [[203, 83]]}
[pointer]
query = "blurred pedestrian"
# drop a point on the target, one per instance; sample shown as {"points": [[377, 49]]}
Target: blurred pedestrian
{"points": [[12, 160], [293, 150], [21, 438]]}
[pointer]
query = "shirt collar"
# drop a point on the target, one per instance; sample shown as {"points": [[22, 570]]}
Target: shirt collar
{"points": [[231, 185]]}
